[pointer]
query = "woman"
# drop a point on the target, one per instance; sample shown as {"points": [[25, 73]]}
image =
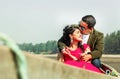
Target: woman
{"points": [[72, 37]]}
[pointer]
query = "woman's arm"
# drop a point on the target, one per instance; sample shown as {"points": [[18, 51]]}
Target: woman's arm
{"points": [[66, 51]]}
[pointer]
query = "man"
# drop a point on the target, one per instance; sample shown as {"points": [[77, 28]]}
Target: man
{"points": [[91, 37]]}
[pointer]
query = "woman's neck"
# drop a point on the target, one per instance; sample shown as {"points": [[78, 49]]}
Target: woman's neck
{"points": [[73, 45]]}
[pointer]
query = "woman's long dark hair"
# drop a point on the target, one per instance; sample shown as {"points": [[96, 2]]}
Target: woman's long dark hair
{"points": [[69, 29]]}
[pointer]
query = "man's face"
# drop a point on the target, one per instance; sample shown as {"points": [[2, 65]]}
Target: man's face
{"points": [[84, 28]]}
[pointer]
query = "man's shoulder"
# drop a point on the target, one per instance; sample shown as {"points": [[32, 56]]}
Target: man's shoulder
{"points": [[97, 32]]}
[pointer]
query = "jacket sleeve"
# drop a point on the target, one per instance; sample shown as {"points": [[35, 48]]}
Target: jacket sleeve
{"points": [[98, 47], [61, 45]]}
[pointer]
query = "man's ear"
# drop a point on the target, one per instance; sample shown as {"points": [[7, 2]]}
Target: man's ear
{"points": [[91, 28]]}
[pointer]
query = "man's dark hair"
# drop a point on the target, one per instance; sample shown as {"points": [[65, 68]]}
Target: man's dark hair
{"points": [[90, 20]]}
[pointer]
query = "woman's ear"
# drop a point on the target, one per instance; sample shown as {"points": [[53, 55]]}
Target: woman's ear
{"points": [[71, 38], [70, 35]]}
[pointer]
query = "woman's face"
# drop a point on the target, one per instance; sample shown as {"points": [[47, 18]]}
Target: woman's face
{"points": [[76, 36]]}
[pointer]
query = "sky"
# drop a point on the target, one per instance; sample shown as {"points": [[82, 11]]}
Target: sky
{"points": [[37, 21]]}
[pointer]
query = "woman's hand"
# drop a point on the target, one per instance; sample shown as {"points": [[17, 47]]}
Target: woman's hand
{"points": [[66, 51]]}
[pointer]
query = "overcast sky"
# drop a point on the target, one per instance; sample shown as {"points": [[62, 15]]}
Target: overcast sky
{"points": [[38, 21]]}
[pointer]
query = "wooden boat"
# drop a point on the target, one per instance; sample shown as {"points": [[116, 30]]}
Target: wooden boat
{"points": [[108, 70]]}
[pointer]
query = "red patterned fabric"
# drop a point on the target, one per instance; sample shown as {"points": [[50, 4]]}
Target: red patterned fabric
{"points": [[81, 64]]}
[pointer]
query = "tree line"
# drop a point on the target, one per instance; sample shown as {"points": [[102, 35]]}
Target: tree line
{"points": [[111, 46], [112, 43], [50, 47]]}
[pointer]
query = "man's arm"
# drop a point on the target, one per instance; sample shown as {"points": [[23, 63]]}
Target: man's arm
{"points": [[60, 57], [98, 47], [61, 46]]}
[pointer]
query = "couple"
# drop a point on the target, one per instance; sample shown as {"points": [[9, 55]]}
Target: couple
{"points": [[81, 45]]}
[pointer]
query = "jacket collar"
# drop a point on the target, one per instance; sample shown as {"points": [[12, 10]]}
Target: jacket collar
{"points": [[92, 37]]}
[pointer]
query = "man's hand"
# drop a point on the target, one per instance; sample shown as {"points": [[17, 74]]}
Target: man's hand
{"points": [[87, 57], [86, 51], [60, 57]]}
